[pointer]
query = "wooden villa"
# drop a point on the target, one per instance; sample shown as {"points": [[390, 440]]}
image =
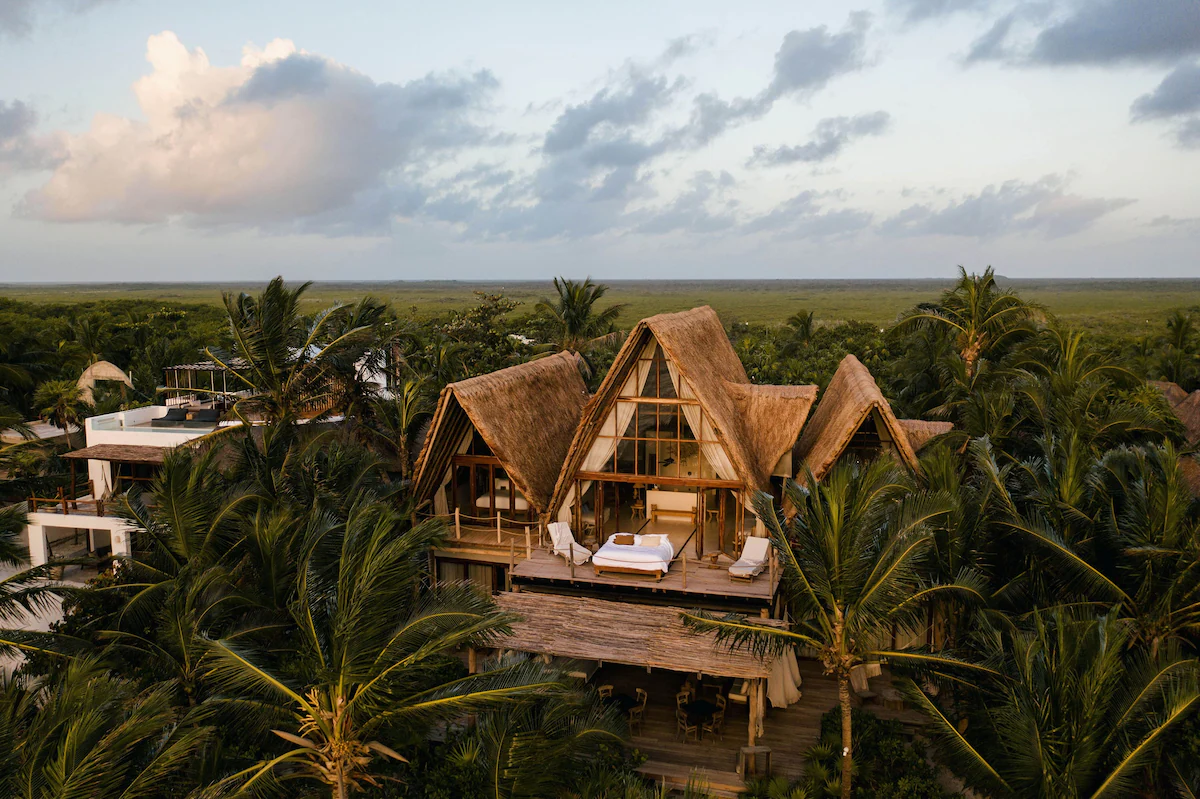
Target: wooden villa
{"points": [[598, 520]]}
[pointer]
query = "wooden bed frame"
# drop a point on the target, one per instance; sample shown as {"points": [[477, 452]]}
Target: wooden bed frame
{"points": [[692, 514], [657, 575]]}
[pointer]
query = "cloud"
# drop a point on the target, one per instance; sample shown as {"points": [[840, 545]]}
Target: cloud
{"points": [[1092, 33], [17, 17], [803, 216], [920, 10], [1112, 31], [806, 61], [284, 138], [21, 149], [830, 137], [1043, 207], [692, 210], [1176, 98]]}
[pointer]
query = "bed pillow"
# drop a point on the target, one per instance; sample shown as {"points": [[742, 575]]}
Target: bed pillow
{"points": [[624, 539], [651, 541]]}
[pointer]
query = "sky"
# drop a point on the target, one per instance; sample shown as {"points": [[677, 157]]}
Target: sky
{"points": [[154, 140]]}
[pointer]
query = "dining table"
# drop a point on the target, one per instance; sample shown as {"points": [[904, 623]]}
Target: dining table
{"points": [[624, 702], [699, 710]]}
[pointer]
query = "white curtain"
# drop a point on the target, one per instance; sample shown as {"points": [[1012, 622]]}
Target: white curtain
{"points": [[440, 506], [603, 448], [783, 684]]}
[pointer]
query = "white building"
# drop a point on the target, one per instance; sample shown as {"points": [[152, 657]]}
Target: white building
{"points": [[122, 449]]}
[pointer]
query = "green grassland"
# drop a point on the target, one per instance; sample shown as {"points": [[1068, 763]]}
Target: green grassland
{"points": [[1116, 306]]}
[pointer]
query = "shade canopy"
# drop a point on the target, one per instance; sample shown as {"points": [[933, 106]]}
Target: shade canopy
{"points": [[580, 628], [119, 453]]}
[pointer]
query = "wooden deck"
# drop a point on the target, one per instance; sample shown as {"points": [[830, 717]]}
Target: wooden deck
{"points": [[788, 732], [698, 581]]}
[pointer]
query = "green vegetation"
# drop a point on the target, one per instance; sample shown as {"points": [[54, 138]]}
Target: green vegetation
{"points": [[278, 632]]}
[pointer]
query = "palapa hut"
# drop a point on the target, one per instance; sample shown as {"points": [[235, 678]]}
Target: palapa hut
{"points": [[678, 433], [855, 419], [101, 372], [497, 442]]}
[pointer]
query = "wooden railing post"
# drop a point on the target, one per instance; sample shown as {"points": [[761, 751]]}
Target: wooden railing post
{"points": [[498, 518], [512, 561], [771, 563], [528, 544], [457, 525], [685, 568]]}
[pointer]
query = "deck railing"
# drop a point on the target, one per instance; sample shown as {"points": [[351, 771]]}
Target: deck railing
{"points": [[67, 506]]}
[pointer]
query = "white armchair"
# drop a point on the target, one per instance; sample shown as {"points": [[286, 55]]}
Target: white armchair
{"points": [[564, 543]]}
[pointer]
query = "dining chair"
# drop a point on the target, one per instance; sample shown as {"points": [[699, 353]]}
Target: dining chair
{"points": [[605, 691], [642, 697], [721, 702], [716, 725], [681, 699], [637, 715], [685, 729]]}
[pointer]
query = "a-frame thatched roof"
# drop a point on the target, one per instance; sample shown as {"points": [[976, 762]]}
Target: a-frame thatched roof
{"points": [[921, 432], [527, 414], [852, 396], [757, 425]]}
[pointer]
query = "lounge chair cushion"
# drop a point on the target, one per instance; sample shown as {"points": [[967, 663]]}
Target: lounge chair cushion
{"points": [[564, 543], [754, 558], [206, 415], [174, 415]]}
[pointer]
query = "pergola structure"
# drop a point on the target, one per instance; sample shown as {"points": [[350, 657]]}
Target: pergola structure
{"points": [[129, 462], [651, 636], [206, 380]]}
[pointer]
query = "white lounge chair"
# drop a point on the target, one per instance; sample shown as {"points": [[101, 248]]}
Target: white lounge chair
{"points": [[753, 559], [564, 543]]}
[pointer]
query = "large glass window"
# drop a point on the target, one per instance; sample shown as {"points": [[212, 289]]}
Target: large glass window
{"points": [[656, 438]]}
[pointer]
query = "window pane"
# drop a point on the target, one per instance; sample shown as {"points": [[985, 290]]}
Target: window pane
{"points": [[689, 460], [668, 459], [628, 409], [650, 387], [666, 388], [685, 429], [609, 428], [706, 470], [646, 420], [647, 458], [627, 457], [668, 421]]}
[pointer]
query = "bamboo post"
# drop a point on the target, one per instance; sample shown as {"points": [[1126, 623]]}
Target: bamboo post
{"points": [[472, 663], [753, 725], [512, 562], [571, 559], [498, 517], [457, 525], [528, 544], [771, 563], [685, 569]]}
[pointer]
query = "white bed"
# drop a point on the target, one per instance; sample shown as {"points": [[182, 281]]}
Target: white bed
{"points": [[637, 558], [519, 503]]}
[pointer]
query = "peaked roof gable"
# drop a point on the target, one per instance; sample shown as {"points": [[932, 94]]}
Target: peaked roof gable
{"points": [[526, 413], [753, 423], [851, 396]]}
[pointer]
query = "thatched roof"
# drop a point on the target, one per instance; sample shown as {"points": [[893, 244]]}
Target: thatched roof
{"points": [[100, 370], [527, 414], [122, 453], [1188, 411], [620, 632], [851, 397], [920, 432], [756, 424], [1172, 391]]}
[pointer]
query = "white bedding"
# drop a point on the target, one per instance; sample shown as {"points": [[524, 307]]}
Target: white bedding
{"points": [[649, 559], [519, 503]]}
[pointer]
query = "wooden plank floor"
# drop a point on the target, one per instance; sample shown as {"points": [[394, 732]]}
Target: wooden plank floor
{"points": [[701, 580], [788, 732]]}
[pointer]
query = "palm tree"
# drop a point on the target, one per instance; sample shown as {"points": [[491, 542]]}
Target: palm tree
{"points": [[980, 318], [90, 734], [853, 557], [395, 420], [61, 403], [575, 321], [1179, 360], [284, 360], [800, 329], [1068, 714], [369, 671]]}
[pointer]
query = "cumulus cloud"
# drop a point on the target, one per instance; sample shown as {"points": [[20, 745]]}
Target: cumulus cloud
{"points": [[920, 10], [1092, 32], [1176, 98], [17, 17], [830, 137], [805, 63], [692, 211], [805, 216], [283, 138], [1043, 207], [21, 147]]}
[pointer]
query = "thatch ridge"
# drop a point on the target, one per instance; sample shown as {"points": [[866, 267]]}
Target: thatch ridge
{"points": [[845, 404], [753, 422], [581, 628], [921, 432], [526, 413]]}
